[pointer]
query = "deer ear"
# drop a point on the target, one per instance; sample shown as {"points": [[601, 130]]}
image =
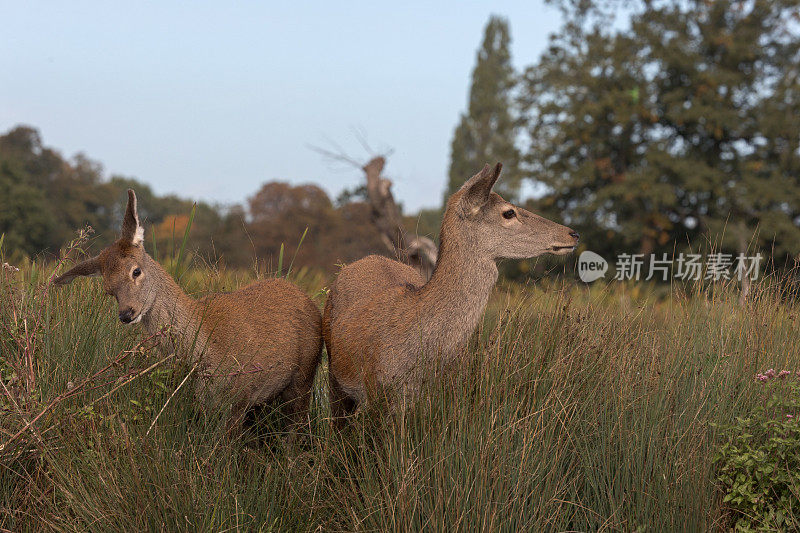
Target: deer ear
{"points": [[132, 230], [477, 188], [90, 267]]}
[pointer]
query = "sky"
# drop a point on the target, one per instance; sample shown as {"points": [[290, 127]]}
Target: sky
{"points": [[209, 100]]}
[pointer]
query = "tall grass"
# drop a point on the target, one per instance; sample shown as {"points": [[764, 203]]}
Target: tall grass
{"points": [[575, 409]]}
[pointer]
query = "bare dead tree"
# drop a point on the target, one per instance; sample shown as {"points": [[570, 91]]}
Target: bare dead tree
{"points": [[419, 252]]}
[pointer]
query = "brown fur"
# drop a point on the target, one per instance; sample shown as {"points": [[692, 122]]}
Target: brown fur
{"points": [[381, 318], [260, 343]]}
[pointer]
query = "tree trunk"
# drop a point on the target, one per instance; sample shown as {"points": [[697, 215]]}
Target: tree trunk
{"points": [[419, 252]]}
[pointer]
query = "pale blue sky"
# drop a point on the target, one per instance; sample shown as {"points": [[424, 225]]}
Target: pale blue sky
{"points": [[209, 100]]}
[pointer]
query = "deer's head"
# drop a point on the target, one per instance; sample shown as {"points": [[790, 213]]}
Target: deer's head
{"points": [[128, 272], [500, 229]]}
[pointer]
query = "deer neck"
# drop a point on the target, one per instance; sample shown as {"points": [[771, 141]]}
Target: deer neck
{"points": [[452, 302], [170, 305]]}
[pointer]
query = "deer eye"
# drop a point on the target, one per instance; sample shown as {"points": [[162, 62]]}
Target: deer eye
{"points": [[137, 272], [509, 214]]}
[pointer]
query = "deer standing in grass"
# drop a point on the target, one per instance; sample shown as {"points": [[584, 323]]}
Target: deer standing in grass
{"points": [[381, 316], [259, 343]]}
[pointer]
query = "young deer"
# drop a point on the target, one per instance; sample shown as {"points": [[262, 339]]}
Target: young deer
{"points": [[260, 342], [381, 316]]}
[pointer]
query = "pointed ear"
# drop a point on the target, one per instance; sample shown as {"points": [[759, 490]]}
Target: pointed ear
{"points": [[477, 188], [90, 267], [132, 230]]}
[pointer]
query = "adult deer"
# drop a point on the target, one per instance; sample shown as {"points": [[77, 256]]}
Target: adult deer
{"points": [[381, 317], [259, 343]]}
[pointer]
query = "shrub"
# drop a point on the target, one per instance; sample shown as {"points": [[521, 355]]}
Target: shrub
{"points": [[758, 464]]}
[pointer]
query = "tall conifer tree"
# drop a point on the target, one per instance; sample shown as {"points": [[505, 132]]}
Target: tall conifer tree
{"points": [[487, 133]]}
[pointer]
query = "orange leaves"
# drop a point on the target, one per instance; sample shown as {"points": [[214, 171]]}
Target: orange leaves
{"points": [[172, 225]]}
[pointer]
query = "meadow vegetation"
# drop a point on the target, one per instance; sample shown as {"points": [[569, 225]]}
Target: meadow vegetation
{"points": [[602, 407], [612, 406]]}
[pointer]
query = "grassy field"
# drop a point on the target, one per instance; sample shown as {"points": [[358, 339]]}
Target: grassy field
{"points": [[577, 409]]}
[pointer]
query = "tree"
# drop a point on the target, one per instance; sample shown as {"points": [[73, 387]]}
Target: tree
{"points": [[72, 193], [418, 251], [25, 220], [45, 198], [280, 213], [487, 133], [728, 99], [587, 118], [683, 125], [402, 242]]}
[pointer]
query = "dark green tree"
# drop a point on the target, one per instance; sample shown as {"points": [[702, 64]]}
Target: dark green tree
{"points": [[45, 199], [726, 76], [73, 192], [487, 133], [587, 115], [26, 221], [684, 124]]}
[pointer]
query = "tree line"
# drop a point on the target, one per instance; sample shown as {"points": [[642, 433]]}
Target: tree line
{"points": [[675, 130], [45, 198]]}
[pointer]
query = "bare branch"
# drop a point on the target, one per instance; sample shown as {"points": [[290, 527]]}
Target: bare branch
{"points": [[361, 137], [420, 252], [339, 156]]}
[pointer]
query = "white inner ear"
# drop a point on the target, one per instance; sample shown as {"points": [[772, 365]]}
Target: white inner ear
{"points": [[138, 236]]}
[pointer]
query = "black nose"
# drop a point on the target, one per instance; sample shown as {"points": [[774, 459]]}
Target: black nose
{"points": [[575, 235], [126, 316]]}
